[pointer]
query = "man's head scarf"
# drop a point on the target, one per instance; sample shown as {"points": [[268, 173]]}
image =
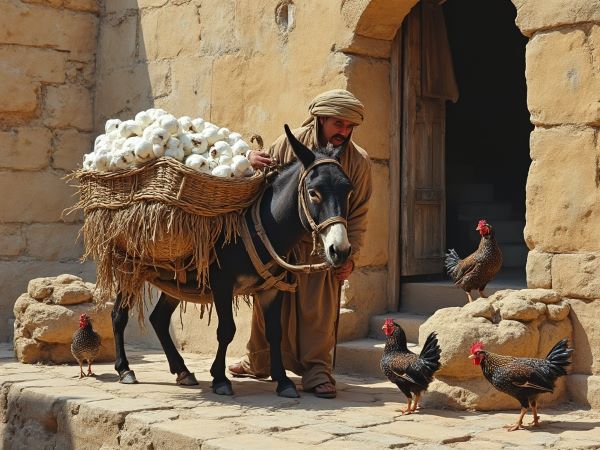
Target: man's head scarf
{"points": [[337, 102]]}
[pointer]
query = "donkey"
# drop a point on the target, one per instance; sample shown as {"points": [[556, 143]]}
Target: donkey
{"points": [[311, 190]]}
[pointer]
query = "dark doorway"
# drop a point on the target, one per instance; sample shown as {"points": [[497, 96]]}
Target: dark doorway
{"points": [[487, 129]]}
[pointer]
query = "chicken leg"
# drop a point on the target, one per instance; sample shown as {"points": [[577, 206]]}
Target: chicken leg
{"points": [[536, 418], [519, 424]]}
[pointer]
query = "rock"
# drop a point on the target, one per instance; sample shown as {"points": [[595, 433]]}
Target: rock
{"points": [[559, 311], [482, 307], [66, 278], [71, 294], [515, 308], [40, 288]]}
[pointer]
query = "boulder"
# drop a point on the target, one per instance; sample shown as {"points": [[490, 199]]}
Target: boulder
{"points": [[48, 314], [525, 323]]}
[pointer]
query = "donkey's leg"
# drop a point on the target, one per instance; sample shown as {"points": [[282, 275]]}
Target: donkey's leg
{"points": [[271, 305], [160, 320], [222, 296], [120, 317]]}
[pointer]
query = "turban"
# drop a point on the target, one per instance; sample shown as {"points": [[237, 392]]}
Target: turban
{"points": [[339, 103]]}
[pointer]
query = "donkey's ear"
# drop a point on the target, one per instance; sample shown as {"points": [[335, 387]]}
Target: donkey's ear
{"points": [[304, 154], [339, 151]]}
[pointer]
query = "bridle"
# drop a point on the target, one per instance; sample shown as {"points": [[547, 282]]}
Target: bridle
{"points": [[303, 210]]}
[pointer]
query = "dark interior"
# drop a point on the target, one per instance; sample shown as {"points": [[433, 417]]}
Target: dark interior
{"points": [[487, 130]]}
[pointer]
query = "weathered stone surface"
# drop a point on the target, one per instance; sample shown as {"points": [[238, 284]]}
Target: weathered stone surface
{"points": [[69, 148], [42, 197], [577, 275], [559, 213], [533, 15], [17, 95], [558, 311], [118, 41], [585, 389], [551, 332], [40, 288], [34, 64], [566, 89], [12, 242], [53, 241], [374, 250], [25, 148], [54, 28], [68, 106], [515, 308], [539, 270], [586, 336]]}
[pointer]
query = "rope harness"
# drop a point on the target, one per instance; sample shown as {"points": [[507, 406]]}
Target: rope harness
{"points": [[315, 229]]}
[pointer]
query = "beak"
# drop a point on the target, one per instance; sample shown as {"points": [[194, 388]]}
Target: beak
{"points": [[471, 356]]}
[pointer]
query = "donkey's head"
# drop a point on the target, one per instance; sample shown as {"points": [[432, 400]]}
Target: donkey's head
{"points": [[324, 198]]}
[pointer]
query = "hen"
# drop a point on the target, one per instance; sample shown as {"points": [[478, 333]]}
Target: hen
{"points": [[85, 344], [480, 267], [523, 378], [411, 373]]}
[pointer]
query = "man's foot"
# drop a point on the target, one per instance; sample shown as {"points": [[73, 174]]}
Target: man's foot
{"points": [[237, 370], [324, 390]]}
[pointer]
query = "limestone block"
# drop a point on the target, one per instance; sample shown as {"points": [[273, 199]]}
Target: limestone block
{"points": [[12, 241], [54, 28], [82, 73], [69, 148], [533, 15], [53, 241], [40, 288], [189, 90], [559, 213], [481, 308], [44, 327], [577, 275], [117, 42], [36, 197], [559, 311], [26, 148], [220, 15], [515, 308], [478, 393], [584, 389], [586, 336], [538, 270], [546, 296], [374, 92], [173, 31], [33, 64], [374, 250], [551, 332], [68, 106], [15, 276], [16, 94], [565, 89]]}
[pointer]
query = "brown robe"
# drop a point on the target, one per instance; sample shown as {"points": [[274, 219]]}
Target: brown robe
{"points": [[309, 315]]}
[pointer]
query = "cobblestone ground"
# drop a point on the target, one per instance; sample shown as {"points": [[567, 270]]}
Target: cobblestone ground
{"points": [[50, 407]]}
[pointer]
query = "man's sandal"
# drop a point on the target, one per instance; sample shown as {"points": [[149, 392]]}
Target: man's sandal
{"points": [[324, 394]]}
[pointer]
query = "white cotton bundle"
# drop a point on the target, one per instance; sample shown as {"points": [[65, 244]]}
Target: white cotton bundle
{"points": [[169, 122], [233, 138], [212, 164], [185, 124], [248, 172], [156, 135], [199, 143], [117, 145], [174, 149], [222, 171], [102, 162], [210, 134], [142, 149], [89, 161], [239, 165], [129, 128], [158, 150], [239, 147], [144, 119], [225, 160], [186, 142], [198, 124], [223, 133], [111, 125], [197, 162], [223, 148], [155, 113]]}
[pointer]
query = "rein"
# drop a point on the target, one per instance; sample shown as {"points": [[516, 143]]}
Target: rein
{"points": [[302, 209]]}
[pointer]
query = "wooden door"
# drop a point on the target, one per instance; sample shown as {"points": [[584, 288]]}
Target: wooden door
{"points": [[428, 81]]}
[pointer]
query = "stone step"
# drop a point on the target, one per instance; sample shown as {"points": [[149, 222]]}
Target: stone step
{"points": [[362, 357], [474, 211], [409, 322], [352, 325], [427, 297]]}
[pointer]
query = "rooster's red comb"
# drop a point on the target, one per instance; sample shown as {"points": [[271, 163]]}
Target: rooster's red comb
{"points": [[477, 346], [389, 322], [482, 223]]}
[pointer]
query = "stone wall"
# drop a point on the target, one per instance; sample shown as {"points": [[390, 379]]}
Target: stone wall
{"points": [[563, 187], [47, 65], [253, 66]]}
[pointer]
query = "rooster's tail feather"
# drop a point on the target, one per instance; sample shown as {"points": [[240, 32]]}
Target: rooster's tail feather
{"points": [[430, 354], [559, 357], [451, 261]]}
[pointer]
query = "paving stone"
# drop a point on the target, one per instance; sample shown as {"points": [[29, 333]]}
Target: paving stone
{"points": [[427, 432], [305, 435], [250, 442], [273, 422], [370, 438], [520, 437], [190, 433]]}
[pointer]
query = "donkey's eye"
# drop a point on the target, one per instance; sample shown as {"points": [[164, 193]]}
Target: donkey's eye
{"points": [[314, 195]]}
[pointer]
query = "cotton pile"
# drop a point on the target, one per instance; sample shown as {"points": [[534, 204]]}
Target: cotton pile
{"points": [[199, 144]]}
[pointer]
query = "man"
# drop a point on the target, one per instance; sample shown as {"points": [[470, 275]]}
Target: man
{"points": [[309, 315]]}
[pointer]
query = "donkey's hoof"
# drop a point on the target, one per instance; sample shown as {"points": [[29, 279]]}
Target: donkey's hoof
{"points": [[186, 379], [128, 377], [289, 392], [222, 387]]}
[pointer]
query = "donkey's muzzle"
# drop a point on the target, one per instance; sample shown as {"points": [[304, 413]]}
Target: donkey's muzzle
{"points": [[337, 255]]}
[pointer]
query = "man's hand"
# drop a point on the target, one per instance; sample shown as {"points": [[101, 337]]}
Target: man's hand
{"points": [[258, 160], [342, 273]]}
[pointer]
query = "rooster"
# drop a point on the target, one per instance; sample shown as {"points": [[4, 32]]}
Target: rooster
{"points": [[480, 267], [411, 373], [523, 378], [85, 344]]}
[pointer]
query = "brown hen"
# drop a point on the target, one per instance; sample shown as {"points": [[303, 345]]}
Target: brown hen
{"points": [[523, 378], [480, 267], [85, 344]]}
